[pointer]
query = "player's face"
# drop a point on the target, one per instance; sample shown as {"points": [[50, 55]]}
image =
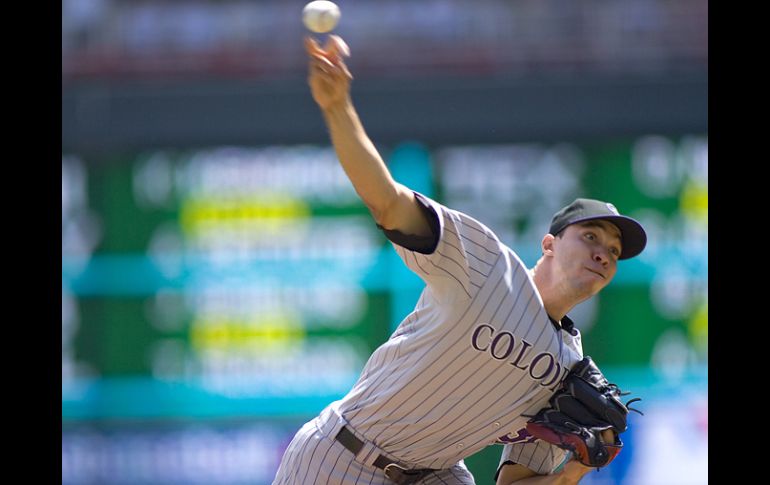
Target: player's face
{"points": [[587, 254]]}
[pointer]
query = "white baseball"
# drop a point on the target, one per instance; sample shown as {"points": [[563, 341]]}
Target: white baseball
{"points": [[321, 16]]}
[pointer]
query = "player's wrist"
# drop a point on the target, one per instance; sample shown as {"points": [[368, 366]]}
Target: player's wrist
{"points": [[338, 111], [573, 471], [337, 107]]}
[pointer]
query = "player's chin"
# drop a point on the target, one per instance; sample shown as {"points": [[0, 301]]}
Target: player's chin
{"points": [[597, 281], [599, 286], [592, 286]]}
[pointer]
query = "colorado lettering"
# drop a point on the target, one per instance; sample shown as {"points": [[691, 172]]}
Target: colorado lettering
{"points": [[536, 361], [543, 367], [524, 346], [477, 333]]}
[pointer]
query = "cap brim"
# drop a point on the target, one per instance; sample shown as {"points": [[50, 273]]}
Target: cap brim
{"points": [[633, 236]]}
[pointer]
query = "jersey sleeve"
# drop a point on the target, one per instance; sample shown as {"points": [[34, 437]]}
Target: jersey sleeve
{"points": [[540, 457], [462, 257]]}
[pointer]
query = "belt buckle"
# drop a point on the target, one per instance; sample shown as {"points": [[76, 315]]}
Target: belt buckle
{"points": [[402, 475], [395, 472]]}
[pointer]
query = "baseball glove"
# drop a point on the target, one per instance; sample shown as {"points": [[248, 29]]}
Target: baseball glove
{"points": [[583, 407]]}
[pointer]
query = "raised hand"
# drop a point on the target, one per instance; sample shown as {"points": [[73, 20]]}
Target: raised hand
{"points": [[328, 77]]}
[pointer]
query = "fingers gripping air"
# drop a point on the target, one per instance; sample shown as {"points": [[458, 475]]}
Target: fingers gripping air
{"points": [[580, 410]]}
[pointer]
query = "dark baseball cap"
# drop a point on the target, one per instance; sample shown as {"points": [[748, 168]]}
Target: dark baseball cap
{"points": [[632, 235]]}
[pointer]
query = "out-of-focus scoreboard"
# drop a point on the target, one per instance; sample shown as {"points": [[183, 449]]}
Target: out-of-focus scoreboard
{"points": [[236, 272], [215, 299]]}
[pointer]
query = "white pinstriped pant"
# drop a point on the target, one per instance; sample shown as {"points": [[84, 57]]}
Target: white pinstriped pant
{"points": [[315, 457]]}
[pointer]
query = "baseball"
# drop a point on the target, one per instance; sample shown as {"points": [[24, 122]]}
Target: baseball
{"points": [[321, 16]]}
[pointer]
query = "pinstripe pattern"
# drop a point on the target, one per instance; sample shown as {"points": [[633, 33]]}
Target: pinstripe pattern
{"points": [[476, 354], [314, 457]]}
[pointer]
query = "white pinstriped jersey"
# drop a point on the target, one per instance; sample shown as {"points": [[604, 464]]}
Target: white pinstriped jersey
{"points": [[477, 354]]}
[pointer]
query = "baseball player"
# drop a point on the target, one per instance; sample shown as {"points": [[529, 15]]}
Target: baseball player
{"points": [[487, 345]]}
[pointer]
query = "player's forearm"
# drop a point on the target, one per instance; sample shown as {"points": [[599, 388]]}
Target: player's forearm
{"points": [[360, 160], [571, 474], [557, 479]]}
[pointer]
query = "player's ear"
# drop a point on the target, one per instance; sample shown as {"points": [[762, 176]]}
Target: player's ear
{"points": [[546, 245]]}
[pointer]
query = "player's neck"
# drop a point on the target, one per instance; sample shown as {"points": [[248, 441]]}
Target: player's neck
{"points": [[556, 301]]}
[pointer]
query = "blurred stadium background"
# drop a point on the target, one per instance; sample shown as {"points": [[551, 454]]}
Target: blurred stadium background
{"points": [[222, 283]]}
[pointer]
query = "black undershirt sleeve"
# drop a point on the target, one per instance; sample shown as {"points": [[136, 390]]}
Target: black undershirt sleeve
{"points": [[420, 244]]}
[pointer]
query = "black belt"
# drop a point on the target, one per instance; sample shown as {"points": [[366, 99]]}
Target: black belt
{"points": [[393, 470]]}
